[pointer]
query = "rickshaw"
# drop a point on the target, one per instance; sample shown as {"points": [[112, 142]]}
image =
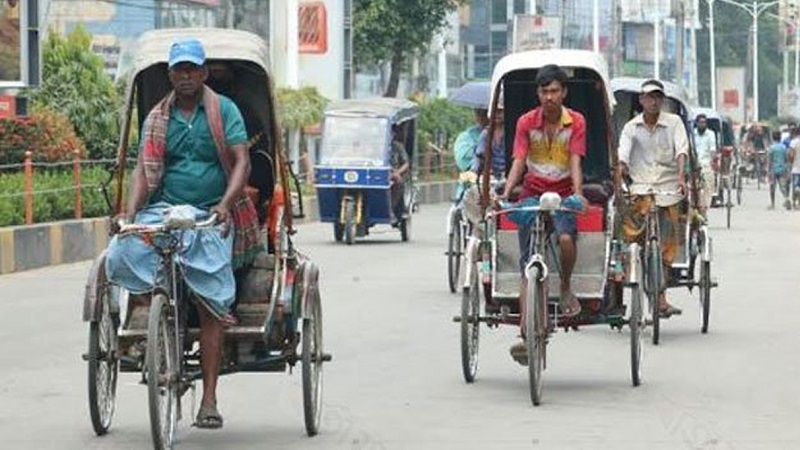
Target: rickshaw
{"points": [[159, 340], [605, 267], [353, 176], [724, 163], [695, 245]]}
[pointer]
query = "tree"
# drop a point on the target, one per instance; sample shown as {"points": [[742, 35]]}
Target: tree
{"points": [[389, 31], [733, 33], [74, 82]]}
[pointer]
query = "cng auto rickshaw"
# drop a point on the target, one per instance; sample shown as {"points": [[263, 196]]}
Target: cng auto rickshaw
{"points": [[353, 177], [694, 240], [157, 341], [604, 267]]}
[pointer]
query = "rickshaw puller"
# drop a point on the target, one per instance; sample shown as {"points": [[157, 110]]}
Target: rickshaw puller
{"points": [[194, 153], [706, 141], [549, 145], [652, 153]]}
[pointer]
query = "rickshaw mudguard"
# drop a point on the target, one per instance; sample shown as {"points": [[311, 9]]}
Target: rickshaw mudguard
{"points": [[94, 283]]}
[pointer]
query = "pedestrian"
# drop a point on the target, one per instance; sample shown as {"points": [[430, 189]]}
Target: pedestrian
{"points": [[794, 158], [778, 175]]}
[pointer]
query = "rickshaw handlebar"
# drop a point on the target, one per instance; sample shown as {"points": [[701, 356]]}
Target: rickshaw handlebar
{"points": [[137, 228]]}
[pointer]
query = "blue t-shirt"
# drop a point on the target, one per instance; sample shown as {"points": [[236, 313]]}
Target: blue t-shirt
{"points": [[778, 156], [193, 173], [498, 156]]}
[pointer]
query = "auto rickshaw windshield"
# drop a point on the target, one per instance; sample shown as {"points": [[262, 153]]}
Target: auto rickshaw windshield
{"points": [[358, 141]]}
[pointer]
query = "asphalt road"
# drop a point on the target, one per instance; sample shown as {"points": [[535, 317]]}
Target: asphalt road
{"points": [[395, 382]]}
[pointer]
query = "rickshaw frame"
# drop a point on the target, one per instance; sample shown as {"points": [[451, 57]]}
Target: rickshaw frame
{"points": [[238, 65]]}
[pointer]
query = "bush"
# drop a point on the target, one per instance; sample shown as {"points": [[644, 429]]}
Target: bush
{"points": [[74, 82], [440, 122], [48, 134], [58, 203]]}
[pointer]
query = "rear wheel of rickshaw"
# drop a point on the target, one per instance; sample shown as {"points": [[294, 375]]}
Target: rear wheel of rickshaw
{"points": [[705, 294], [536, 332], [162, 373], [349, 222], [311, 360], [636, 324], [654, 282], [470, 327], [103, 366], [454, 251]]}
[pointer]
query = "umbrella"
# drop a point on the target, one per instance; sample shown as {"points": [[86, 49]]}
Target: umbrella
{"points": [[474, 94]]}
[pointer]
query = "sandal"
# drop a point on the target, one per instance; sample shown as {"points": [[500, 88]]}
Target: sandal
{"points": [[569, 308], [669, 310], [519, 353], [208, 418]]}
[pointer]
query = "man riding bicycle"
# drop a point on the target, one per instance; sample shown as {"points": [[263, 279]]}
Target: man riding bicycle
{"points": [[549, 145], [193, 152], [652, 152]]}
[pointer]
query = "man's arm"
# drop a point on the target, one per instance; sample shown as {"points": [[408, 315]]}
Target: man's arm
{"points": [[239, 175], [577, 150], [138, 188], [624, 150], [520, 155], [681, 140]]}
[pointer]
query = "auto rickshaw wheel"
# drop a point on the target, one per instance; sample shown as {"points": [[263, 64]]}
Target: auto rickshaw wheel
{"points": [[311, 361], [405, 229], [338, 231], [349, 221], [103, 366]]}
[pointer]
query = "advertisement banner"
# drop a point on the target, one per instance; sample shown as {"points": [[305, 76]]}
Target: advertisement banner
{"points": [[731, 92], [536, 33], [12, 43]]}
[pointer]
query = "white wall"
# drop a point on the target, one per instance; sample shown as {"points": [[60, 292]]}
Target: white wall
{"points": [[326, 70]]}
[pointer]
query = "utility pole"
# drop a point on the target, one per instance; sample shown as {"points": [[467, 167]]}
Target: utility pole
{"points": [[596, 26], [680, 33], [657, 48], [712, 44]]}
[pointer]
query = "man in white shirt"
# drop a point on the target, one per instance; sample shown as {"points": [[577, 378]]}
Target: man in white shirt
{"points": [[652, 149], [794, 158], [706, 143]]}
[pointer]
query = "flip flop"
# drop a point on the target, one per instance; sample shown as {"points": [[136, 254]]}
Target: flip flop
{"points": [[208, 418], [519, 353], [669, 311], [569, 309]]}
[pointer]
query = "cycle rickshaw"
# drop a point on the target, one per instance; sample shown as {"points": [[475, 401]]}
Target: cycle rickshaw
{"points": [[694, 242], [605, 267], [158, 341], [353, 176], [726, 178]]}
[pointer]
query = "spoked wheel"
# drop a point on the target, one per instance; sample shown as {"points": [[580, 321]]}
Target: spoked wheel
{"points": [[103, 366], [728, 203], [349, 222], [454, 251], [163, 374], [636, 324], [536, 333], [739, 190], [705, 293], [470, 327], [654, 282], [312, 359]]}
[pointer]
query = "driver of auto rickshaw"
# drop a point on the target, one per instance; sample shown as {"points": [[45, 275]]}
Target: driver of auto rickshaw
{"points": [[549, 145], [400, 166], [652, 151], [193, 153]]}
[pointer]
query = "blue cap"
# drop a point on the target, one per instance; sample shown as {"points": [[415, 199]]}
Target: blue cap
{"points": [[187, 50]]}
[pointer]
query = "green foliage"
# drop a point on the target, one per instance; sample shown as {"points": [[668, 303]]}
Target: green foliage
{"points": [[48, 134], [733, 43], [391, 30], [52, 206], [74, 82], [300, 108], [440, 122]]}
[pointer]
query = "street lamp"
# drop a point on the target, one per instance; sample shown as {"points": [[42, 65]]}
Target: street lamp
{"points": [[713, 53], [755, 10]]}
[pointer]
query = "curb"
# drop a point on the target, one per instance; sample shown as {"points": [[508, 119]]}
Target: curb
{"points": [[48, 244]]}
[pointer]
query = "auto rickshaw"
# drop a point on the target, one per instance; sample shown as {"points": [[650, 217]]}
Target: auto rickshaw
{"points": [[605, 266], [157, 342], [354, 174], [695, 242]]}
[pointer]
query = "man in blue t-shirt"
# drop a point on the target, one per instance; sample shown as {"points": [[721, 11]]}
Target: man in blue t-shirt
{"points": [[777, 167]]}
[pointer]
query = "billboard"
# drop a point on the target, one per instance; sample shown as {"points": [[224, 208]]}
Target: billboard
{"points": [[13, 43], [536, 33], [731, 92]]}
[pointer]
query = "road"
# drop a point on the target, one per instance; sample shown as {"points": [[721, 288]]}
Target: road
{"points": [[395, 382]]}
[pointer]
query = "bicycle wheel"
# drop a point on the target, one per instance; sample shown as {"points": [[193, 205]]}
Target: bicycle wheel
{"points": [[311, 361], [654, 286], [454, 250], [636, 323], [739, 190], [103, 368], [728, 204], [163, 373], [705, 294], [470, 327], [536, 333]]}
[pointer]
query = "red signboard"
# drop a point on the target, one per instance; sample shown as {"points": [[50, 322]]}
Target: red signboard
{"points": [[8, 106]]}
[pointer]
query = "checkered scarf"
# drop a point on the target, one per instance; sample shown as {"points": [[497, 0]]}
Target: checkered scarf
{"points": [[247, 240]]}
